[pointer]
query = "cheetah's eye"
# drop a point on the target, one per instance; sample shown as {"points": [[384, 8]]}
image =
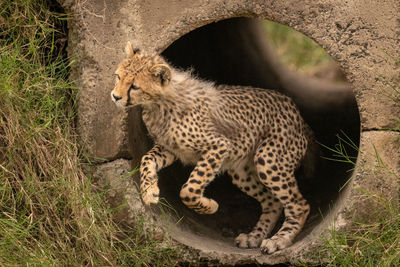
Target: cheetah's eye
{"points": [[117, 77], [133, 87]]}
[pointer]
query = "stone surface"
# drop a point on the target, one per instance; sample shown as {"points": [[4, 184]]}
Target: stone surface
{"points": [[362, 36], [118, 180], [377, 174], [114, 178]]}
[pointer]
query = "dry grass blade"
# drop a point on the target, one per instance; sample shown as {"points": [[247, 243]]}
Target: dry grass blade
{"points": [[49, 212]]}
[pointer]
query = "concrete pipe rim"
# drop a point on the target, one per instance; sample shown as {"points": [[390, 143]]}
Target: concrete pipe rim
{"points": [[356, 40]]}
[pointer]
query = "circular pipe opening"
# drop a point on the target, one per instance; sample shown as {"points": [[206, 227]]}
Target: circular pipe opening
{"points": [[236, 52]]}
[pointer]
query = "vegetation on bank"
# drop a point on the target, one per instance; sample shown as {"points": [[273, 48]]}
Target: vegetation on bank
{"points": [[50, 212]]}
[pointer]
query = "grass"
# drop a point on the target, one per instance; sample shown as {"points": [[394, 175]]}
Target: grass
{"points": [[374, 241], [50, 212], [295, 50]]}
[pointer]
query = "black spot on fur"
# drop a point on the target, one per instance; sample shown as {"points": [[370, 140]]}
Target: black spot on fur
{"points": [[275, 178]]}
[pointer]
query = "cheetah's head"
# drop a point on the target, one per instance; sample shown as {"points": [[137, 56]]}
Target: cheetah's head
{"points": [[140, 78]]}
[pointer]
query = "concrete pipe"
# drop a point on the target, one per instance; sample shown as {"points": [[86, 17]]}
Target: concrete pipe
{"points": [[224, 42]]}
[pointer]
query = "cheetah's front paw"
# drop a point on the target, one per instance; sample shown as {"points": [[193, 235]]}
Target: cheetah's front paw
{"points": [[248, 240], [206, 206], [150, 194], [275, 243]]}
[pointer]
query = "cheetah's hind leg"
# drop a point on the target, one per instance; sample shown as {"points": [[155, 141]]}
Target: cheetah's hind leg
{"points": [[245, 178], [276, 172]]}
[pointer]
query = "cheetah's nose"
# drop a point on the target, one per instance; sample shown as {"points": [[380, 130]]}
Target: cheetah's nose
{"points": [[116, 98]]}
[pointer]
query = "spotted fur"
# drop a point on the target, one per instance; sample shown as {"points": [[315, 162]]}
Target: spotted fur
{"points": [[256, 135]]}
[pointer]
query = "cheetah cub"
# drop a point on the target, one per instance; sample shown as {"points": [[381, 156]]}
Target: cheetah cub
{"points": [[257, 136]]}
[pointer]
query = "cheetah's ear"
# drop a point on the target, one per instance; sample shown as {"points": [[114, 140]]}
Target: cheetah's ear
{"points": [[129, 51], [162, 72]]}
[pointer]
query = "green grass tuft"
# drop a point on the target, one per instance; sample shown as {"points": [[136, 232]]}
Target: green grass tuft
{"points": [[50, 213], [368, 244], [376, 240]]}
